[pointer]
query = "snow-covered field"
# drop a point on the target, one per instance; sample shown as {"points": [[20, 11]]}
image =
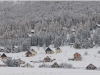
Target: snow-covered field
{"points": [[37, 71], [67, 52]]}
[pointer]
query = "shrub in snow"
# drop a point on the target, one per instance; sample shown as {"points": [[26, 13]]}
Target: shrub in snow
{"points": [[98, 52], [72, 38], [77, 45], [72, 59], [44, 66], [98, 68], [86, 53], [12, 63], [69, 66], [65, 65]]}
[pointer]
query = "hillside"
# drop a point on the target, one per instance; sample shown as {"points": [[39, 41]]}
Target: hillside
{"points": [[41, 23], [28, 29], [39, 10]]}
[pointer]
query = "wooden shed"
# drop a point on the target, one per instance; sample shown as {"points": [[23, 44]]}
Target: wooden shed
{"points": [[55, 65], [58, 50], [49, 51], [77, 56], [3, 56], [33, 51], [91, 67], [29, 54], [47, 59]]}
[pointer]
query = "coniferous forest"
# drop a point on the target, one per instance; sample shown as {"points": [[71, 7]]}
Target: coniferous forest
{"points": [[41, 24]]}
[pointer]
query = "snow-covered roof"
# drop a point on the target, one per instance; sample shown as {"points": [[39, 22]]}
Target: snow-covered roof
{"points": [[30, 63], [47, 58], [48, 49], [33, 52], [94, 63], [58, 48], [29, 52], [3, 55]]}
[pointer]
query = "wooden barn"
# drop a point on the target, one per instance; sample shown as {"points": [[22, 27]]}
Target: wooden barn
{"points": [[27, 65], [58, 50], [28, 54], [55, 65], [77, 56], [3, 56], [33, 51], [21, 62], [91, 67], [49, 51], [47, 59]]}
